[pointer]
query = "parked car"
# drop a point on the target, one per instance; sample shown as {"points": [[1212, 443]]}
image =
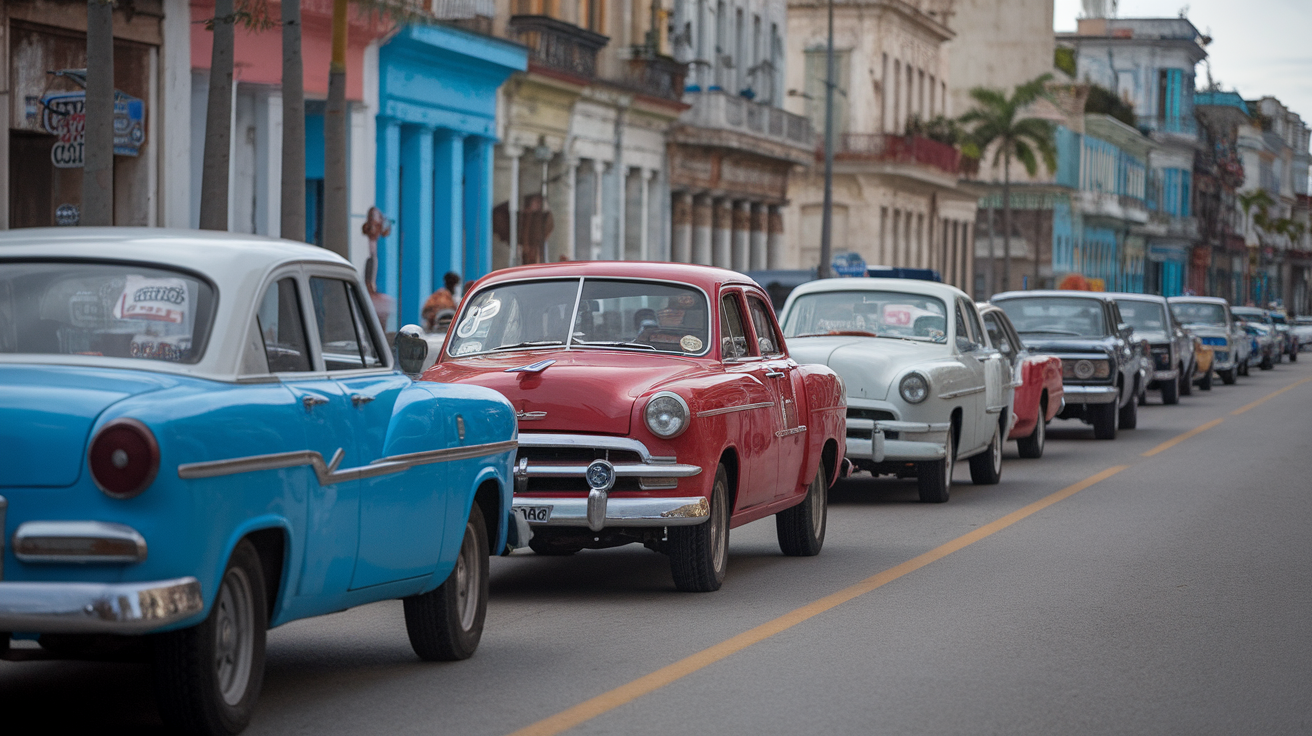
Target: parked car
{"points": [[1288, 341], [1100, 362], [1210, 320], [1204, 357], [1302, 329], [205, 436], [1170, 348], [659, 404], [1266, 341], [924, 386], [1039, 396]]}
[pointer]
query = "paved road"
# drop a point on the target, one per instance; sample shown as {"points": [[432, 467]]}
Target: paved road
{"points": [[1171, 596]]}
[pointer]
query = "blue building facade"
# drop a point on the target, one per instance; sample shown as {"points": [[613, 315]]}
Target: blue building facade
{"points": [[436, 132]]}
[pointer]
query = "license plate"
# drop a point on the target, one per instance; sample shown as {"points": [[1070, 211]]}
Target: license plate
{"points": [[535, 514]]}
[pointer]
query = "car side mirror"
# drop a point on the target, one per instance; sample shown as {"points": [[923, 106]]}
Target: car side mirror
{"points": [[410, 349], [964, 345]]}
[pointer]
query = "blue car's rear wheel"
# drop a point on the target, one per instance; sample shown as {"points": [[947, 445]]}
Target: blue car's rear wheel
{"points": [[446, 624]]}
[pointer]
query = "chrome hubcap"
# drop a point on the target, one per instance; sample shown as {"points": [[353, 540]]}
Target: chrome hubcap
{"points": [[718, 542], [467, 583], [1040, 430], [234, 630], [997, 450], [818, 493]]}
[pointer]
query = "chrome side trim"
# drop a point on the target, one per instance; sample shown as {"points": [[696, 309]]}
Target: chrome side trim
{"points": [[98, 608], [963, 392], [4, 506], [994, 409], [327, 473], [836, 407], [787, 432], [78, 542], [732, 409]]}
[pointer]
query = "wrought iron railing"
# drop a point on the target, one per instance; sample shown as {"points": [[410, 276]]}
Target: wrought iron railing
{"points": [[726, 111], [911, 149], [653, 74], [558, 45]]}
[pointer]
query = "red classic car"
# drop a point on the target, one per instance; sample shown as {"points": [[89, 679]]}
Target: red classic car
{"points": [[657, 404], [1037, 378]]}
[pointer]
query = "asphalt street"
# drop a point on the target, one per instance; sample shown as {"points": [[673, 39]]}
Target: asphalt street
{"points": [[1144, 585]]}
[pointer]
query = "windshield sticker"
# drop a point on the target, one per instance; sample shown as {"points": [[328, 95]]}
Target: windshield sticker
{"points": [[898, 314], [477, 316], [153, 347], [690, 344], [157, 300], [469, 347]]}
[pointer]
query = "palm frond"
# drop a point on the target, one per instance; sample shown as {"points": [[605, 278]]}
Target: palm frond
{"points": [[1025, 155]]}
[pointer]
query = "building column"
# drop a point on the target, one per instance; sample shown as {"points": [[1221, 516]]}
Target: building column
{"points": [[644, 237], [722, 255], [478, 208], [448, 205], [681, 222], [571, 204], [514, 153], [596, 225], [760, 226], [416, 221], [775, 239], [702, 221], [968, 261], [388, 173], [742, 236]]}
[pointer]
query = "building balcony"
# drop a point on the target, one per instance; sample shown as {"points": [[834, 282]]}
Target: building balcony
{"points": [[558, 46], [471, 15], [651, 74], [721, 119], [1182, 125], [1111, 206], [904, 149], [1163, 225]]}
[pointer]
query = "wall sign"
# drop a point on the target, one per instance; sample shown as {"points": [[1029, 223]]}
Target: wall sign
{"points": [[64, 116]]}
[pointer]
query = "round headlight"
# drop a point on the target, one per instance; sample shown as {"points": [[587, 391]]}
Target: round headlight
{"points": [[1083, 369], [667, 414], [914, 388]]}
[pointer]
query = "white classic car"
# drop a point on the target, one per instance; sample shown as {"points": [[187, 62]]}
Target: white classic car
{"points": [[924, 385]]}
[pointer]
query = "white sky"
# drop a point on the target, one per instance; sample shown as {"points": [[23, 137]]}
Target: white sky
{"points": [[1259, 47]]}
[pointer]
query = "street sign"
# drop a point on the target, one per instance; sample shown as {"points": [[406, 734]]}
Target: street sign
{"points": [[64, 116], [848, 265]]}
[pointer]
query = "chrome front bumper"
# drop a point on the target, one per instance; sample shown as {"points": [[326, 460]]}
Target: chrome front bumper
{"points": [[1170, 375], [653, 472], [599, 510], [97, 608], [1077, 395], [916, 442]]}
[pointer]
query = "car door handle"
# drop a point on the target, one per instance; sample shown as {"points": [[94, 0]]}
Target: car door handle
{"points": [[311, 401], [774, 374], [361, 399]]}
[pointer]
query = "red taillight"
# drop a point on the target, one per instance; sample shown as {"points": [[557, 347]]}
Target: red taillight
{"points": [[124, 458]]}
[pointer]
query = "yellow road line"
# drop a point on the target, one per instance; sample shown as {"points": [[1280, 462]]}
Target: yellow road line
{"points": [[1271, 395], [589, 709], [1181, 438]]}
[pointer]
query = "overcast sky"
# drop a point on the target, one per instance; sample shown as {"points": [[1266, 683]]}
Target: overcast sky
{"points": [[1259, 47]]}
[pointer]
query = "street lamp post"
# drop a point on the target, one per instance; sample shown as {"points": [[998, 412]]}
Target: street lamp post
{"points": [[827, 215]]}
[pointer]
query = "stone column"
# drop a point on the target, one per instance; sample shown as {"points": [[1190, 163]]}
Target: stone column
{"points": [[702, 220], [514, 153], [775, 239], [449, 206], [742, 235], [759, 237], [596, 225], [478, 208], [968, 261], [416, 222], [722, 255], [571, 206], [389, 201], [644, 220], [681, 223]]}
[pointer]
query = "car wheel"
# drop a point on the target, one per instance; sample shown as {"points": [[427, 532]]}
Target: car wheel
{"points": [[208, 677], [934, 479], [446, 624], [1243, 368], [801, 529], [1104, 421], [699, 554], [1170, 392], [1186, 383], [1227, 376], [1129, 415], [1293, 354], [986, 468], [1205, 383], [1266, 363], [1032, 447]]}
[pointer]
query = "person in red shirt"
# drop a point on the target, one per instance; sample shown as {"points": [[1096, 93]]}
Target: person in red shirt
{"points": [[441, 300]]}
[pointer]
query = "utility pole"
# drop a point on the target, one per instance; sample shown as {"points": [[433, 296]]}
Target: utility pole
{"points": [[827, 215], [98, 143], [293, 124]]}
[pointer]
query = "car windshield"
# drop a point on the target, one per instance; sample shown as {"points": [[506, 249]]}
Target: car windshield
{"points": [[877, 313], [1197, 313], [103, 309], [1249, 315], [1279, 319], [1142, 316], [615, 314], [1054, 315]]}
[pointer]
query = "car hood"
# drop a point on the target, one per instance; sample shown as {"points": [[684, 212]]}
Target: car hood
{"points": [[46, 415], [868, 365], [590, 391], [1206, 330], [1155, 337], [1070, 344]]}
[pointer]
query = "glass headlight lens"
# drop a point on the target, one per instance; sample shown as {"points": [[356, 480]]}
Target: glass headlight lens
{"points": [[914, 388], [1083, 369], [667, 415]]}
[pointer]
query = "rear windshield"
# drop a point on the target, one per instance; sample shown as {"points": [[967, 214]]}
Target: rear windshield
{"points": [[1142, 316], [113, 310], [1199, 313]]}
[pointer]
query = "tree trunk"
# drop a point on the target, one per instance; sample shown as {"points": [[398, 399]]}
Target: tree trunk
{"points": [[98, 143], [336, 214], [293, 124], [218, 123], [1006, 221], [993, 256]]}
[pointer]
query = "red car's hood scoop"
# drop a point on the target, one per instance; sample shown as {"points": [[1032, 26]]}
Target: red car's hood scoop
{"points": [[589, 391]]}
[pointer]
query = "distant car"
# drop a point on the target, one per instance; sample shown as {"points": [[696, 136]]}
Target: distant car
{"points": [[1170, 348], [1267, 342], [659, 405], [1039, 396], [203, 436], [1302, 329], [1101, 364], [1210, 320], [1288, 341], [924, 386]]}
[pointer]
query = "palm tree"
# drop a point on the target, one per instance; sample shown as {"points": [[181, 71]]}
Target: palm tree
{"points": [[293, 124], [336, 208], [98, 144], [999, 119], [218, 121]]}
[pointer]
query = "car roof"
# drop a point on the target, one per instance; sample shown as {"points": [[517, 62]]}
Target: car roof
{"points": [[705, 277], [1130, 296], [1102, 296], [907, 286], [1200, 299]]}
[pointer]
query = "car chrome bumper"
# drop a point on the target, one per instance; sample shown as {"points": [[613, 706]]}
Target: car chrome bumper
{"points": [[652, 472], [619, 512], [1170, 375], [916, 442], [97, 608], [1076, 394]]}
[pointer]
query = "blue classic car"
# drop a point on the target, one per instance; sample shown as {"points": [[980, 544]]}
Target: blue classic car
{"points": [[203, 436]]}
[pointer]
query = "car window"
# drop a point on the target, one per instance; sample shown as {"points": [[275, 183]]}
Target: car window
{"points": [[346, 343], [1055, 315], [998, 334], [733, 338], [282, 328], [766, 340], [874, 313], [964, 327]]}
